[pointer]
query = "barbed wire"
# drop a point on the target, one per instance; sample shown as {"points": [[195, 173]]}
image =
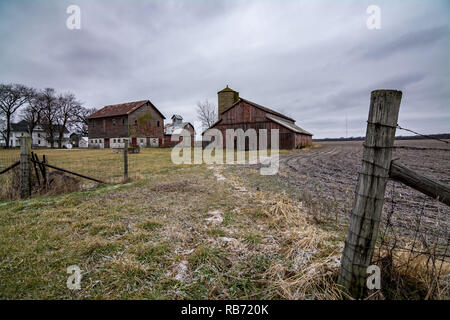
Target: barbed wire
{"points": [[397, 126], [420, 134], [419, 148]]}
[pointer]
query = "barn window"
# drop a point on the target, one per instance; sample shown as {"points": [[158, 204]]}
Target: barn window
{"points": [[113, 122], [118, 140], [157, 123], [114, 140], [135, 121], [123, 121]]}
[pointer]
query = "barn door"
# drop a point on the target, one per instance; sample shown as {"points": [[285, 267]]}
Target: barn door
{"points": [[154, 142], [106, 142], [134, 142]]}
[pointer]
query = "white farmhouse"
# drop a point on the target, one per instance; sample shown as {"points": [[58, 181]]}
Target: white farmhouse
{"points": [[38, 139]]}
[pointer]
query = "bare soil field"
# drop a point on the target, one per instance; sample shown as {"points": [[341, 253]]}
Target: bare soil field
{"points": [[331, 172], [326, 177]]}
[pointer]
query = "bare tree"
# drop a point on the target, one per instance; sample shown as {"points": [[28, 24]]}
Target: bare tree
{"points": [[207, 113], [2, 124], [49, 106], [12, 97], [66, 114], [81, 122], [31, 114]]}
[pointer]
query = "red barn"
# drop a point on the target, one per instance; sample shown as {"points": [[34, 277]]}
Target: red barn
{"points": [[238, 113], [140, 122]]}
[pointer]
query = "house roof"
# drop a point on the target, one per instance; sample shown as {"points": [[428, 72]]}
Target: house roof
{"points": [[265, 109], [288, 125], [20, 126], [177, 116], [121, 109]]}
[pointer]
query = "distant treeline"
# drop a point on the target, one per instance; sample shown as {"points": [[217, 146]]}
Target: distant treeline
{"points": [[436, 136]]}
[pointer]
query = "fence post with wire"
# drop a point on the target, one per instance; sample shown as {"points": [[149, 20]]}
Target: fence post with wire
{"points": [[377, 168], [368, 205], [25, 167]]}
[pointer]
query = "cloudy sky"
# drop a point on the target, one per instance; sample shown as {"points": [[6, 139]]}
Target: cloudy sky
{"points": [[315, 61]]}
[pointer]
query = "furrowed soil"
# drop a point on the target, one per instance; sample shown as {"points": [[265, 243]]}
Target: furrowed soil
{"points": [[328, 174]]}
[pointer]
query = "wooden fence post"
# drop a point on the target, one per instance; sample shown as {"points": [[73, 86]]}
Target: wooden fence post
{"points": [[125, 161], [431, 188], [368, 205], [25, 167]]}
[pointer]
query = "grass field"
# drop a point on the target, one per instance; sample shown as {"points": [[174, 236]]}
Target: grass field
{"points": [[176, 232], [173, 232]]}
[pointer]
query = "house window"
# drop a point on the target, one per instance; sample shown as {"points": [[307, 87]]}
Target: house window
{"points": [[39, 141], [118, 140], [114, 140], [135, 121], [157, 123], [113, 122], [39, 135]]}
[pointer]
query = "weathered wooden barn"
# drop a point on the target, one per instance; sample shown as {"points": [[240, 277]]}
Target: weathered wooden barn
{"points": [[139, 122], [238, 113]]}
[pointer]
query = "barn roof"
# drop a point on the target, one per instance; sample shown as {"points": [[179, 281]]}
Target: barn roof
{"points": [[273, 115], [265, 109], [176, 129], [288, 125], [121, 109], [177, 116]]}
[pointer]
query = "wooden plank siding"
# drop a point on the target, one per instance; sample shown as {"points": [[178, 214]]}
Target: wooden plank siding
{"points": [[246, 116]]}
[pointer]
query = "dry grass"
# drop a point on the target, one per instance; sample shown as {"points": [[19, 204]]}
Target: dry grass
{"points": [[410, 275], [177, 232]]}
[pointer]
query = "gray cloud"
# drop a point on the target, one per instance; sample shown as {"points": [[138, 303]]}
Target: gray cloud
{"points": [[314, 60], [409, 41]]}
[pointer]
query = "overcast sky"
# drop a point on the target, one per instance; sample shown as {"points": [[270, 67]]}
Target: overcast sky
{"points": [[315, 61]]}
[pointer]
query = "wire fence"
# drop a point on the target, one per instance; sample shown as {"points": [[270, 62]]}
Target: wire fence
{"points": [[106, 165], [414, 229]]}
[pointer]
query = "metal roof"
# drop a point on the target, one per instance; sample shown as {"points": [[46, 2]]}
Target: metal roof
{"points": [[121, 109], [268, 110], [288, 125]]}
